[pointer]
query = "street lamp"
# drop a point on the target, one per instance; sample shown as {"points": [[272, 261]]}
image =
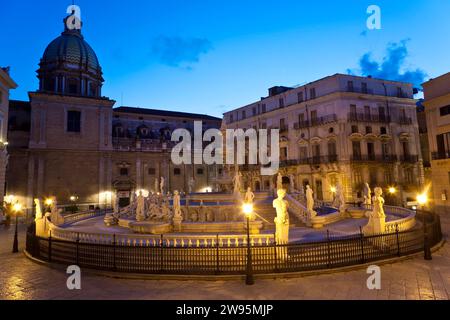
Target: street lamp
{"points": [[248, 210], [16, 208], [392, 191]]}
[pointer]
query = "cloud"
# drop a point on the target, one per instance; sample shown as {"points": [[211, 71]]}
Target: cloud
{"points": [[391, 68], [180, 52]]}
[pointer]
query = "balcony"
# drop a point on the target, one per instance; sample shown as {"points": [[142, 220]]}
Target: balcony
{"points": [[404, 121], [361, 117], [315, 122], [374, 158], [441, 155], [409, 158], [129, 144], [360, 90]]}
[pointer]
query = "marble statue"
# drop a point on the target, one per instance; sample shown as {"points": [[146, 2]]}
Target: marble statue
{"points": [[377, 218], [237, 183], [249, 196], [279, 181], [292, 182], [161, 185], [156, 185], [55, 216], [339, 201], [165, 210], [367, 194], [201, 212], [40, 221], [140, 207], [177, 214], [281, 222], [309, 198], [191, 185]]}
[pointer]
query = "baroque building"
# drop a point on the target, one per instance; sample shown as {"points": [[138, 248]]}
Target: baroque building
{"points": [[340, 129], [6, 84], [437, 112], [68, 141]]}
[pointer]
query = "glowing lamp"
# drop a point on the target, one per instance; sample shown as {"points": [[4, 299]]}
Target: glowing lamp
{"points": [[48, 202], [333, 189], [392, 190], [247, 208], [422, 199], [17, 207]]}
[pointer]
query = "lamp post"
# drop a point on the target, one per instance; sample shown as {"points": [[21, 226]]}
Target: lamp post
{"points": [[16, 208], [248, 210], [422, 199]]}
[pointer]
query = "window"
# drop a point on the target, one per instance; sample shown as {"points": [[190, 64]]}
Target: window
{"points": [[200, 171], [303, 153], [314, 116], [383, 130], [72, 86], [316, 151], [123, 171], [381, 114], [254, 111], [49, 84], [243, 114], [356, 146], [281, 102], [409, 176], [445, 110], [367, 112], [405, 147], [443, 145], [353, 109], [73, 121], [151, 171], [231, 118], [371, 150], [385, 150], [357, 177], [176, 171], [388, 177], [368, 130], [332, 149], [350, 86], [282, 125], [301, 118], [263, 125], [399, 92], [220, 171], [283, 153], [263, 108], [300, 97], [364, 87], [312, 93], [354, 129]]}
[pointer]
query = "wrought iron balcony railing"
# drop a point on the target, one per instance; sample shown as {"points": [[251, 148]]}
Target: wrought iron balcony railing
{"points": [[361, 117], [316, 121], [373, 157], [409, 158], [440, 155]]}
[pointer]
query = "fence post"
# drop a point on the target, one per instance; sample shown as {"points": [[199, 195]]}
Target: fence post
{"points": [[50, 247], [361, 237], [217, 255], [161, 253], [78, 249], [426, 243], [275, 251], [328, 249], [398, 240], [114, 253]]}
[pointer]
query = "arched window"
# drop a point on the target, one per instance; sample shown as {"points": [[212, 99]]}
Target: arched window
{"points": [[49, 84], [73, 86]]}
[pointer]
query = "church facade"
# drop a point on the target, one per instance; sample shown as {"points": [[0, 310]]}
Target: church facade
{"points": [[69, 142]]}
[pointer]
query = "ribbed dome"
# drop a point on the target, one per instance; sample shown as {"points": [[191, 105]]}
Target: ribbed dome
{"points": [[71, 48]]}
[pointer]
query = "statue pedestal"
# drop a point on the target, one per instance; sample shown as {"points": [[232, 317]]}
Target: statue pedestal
{"points": [[40, 228], [177, 223], [375, 226]]}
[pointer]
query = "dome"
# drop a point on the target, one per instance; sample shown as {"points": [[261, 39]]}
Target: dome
{"points": [[69, 65], [71, 48]]}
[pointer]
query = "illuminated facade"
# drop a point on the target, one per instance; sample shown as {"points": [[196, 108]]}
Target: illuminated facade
{"points": [[69, 142], [341, 128]]}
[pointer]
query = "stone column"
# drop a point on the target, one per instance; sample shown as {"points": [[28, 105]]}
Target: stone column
{"points": [[30, 191]]}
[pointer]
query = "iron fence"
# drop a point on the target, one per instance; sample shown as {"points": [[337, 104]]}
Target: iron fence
{"points": [[332, 252]]}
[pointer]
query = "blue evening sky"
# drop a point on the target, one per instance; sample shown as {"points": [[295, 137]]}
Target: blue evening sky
{"points": [[208, 56]]}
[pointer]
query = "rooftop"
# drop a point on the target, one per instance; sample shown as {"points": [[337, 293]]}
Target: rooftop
{"points": [[165, 113]]}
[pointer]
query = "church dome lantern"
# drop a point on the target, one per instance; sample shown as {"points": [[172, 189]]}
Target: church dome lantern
{"points": [[69, 65]]}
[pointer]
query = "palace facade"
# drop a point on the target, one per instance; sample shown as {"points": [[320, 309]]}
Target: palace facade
{"points": [[69, 142], [437, 111], [344, 129]]}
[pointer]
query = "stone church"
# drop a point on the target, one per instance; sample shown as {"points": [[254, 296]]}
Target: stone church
{"points": [[69, 141]]}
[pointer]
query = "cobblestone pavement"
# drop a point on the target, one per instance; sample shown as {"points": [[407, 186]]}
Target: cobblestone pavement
{"points": [[21, 278]]}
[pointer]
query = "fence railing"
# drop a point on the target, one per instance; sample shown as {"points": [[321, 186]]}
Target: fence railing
{"points": [[156, 258]]}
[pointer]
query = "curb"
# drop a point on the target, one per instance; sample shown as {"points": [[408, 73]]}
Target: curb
{"points": [[181, 277]]}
